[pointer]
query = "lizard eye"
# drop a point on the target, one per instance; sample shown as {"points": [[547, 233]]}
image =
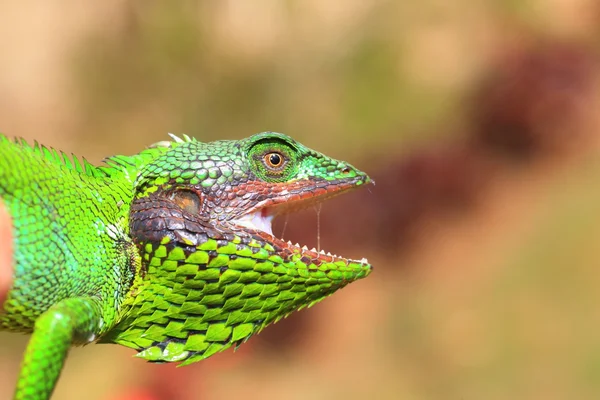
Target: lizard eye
{"points": [[188, 201], [274, 160]]}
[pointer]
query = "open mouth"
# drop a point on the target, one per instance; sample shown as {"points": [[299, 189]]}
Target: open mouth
{"points": [[261, 217]]}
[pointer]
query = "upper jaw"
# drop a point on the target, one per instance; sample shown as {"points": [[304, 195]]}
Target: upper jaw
{"points": [[285, 199]]}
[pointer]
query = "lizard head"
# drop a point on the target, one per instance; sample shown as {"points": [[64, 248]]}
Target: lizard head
{"points": [[239, 187], [202, 216]]}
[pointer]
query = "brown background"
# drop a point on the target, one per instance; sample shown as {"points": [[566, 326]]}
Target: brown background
{"points": [[476, 118]]}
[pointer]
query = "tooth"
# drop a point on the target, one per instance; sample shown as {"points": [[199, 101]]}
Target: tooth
{"points": [[314, 250], [304, 247], [322, 252], [329, 254], [297, 245]]}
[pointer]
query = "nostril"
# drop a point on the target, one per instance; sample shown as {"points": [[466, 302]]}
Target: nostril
{"points": [[346, 170]]}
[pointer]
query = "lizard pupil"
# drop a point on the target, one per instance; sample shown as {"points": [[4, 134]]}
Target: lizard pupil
{"points": [[274, 160]]}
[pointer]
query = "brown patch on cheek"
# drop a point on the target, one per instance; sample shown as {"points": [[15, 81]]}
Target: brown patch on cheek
{"points": [[6, 253]]}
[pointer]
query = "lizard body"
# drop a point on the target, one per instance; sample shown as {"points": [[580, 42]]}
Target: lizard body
{"points": [[169, 251]]}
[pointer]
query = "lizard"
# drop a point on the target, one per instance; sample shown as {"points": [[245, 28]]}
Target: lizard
{"points": [[169, 251]]}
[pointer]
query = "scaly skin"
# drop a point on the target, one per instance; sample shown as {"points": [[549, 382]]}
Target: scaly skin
{"points": [[168, 252]]}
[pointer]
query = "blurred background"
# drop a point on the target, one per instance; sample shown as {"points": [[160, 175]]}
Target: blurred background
{"points": [[477, 119]]}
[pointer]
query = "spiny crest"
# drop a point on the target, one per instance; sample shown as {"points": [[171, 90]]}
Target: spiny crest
{"points": [[145, 156], [177, 139], [114, 164], [72, 163], [170, 144]]}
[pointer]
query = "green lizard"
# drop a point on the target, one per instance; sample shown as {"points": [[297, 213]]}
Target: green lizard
{"points": [[169, 251]]}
